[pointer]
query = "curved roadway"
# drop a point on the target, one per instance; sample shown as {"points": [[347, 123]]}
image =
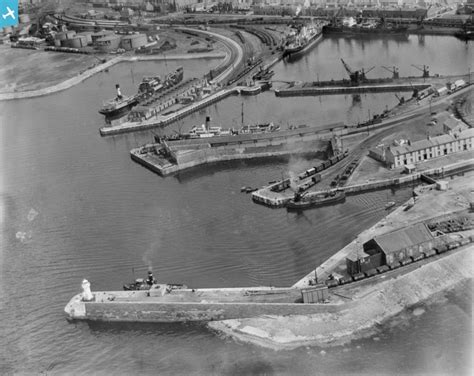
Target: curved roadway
{"points": [[229, 43]]}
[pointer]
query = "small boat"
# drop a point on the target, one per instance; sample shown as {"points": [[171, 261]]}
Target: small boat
{"points": [[301, 201], [390, 204], [248, 189], [141, 284]]}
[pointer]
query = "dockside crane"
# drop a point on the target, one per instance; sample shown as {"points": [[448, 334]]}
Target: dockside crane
{"points": [[425, 69], [393, 70], [423, 17], [401, 100], [356, 76], [415, 90], [363, 72], [353, 75]]}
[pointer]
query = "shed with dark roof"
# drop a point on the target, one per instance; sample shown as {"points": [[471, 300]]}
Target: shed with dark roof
{"points": [[401, 244]]}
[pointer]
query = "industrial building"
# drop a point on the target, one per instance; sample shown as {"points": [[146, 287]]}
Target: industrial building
{"points": [[108, 43], [101, 34], [131, 42], [78, 41], [391, 248]]}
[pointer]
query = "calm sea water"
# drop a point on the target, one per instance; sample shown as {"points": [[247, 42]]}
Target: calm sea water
{"points": [[75, 206]]}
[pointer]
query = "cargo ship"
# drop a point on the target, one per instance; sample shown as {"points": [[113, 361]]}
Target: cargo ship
{"points": [[121, 105], [302, 201], [351, 26], [297, 44], [206, 130], [152, 85]]}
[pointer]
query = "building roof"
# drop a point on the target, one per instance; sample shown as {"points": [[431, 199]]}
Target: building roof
{"points": [[108, 37], [406, 237], [134, 36], [451, 122], [433, 141]]}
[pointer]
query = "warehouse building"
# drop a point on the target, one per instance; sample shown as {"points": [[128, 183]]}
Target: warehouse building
{"points": [[391, 248]]}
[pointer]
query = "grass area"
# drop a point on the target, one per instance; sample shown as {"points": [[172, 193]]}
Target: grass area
{"points": [[26, 70], [30, 69]]}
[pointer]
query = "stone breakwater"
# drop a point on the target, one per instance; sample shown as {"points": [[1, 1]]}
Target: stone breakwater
{"points": [[369, 308], [99, 68]]}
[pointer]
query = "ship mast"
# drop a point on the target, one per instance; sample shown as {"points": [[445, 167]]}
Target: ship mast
{"points": [[242, 114]]}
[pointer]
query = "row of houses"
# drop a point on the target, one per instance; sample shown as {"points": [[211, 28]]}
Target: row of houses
{"points": [[432, 147], [177, 5], [104, 41], [457, 137]]}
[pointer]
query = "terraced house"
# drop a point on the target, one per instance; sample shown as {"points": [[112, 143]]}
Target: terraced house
{"points": [[432, 147]]}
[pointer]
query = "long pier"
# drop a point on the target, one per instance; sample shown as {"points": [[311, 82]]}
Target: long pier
{"points": [[314, 90], [170, 157], [162, 121]]}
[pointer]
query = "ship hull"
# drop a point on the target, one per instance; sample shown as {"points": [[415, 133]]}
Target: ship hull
{"points": [[294, 53], [171, 80], [346, 30], [119, 112], [339, 197]]}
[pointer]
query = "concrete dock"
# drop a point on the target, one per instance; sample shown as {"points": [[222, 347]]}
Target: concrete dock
{"points": [[163, 120], [273, 199], [333, 90], [173, 156]]}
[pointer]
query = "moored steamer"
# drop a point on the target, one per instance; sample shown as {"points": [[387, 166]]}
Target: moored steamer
{"points": [[301, 42], [303, 201], [118, 106], [369, 28], [121, 105]]}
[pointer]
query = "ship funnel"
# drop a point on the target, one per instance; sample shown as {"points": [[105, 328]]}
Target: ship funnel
{"points": [[208, 122], [119, 93]]}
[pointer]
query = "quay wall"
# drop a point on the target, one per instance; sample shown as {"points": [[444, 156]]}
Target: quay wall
{"points": [[204, 155], [269, 148], [301, 91], [143, 311], [260, 196], [369, 309]]}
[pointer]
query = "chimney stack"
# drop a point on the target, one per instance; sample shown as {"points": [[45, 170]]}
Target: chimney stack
{"points": [[208, 122]]}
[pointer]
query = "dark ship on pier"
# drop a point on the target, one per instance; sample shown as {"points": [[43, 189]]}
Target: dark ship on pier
{"points": [[302, 40], [118, 106], [121, 105]]}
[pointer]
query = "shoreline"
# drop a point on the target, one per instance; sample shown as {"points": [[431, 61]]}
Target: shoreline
{"points": [[70, 82], [375, 302], [383, 302]]}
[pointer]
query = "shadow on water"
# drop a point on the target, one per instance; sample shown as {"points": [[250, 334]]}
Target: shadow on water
{"points": [[250, 367], [210, 169], [174, 329]]}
